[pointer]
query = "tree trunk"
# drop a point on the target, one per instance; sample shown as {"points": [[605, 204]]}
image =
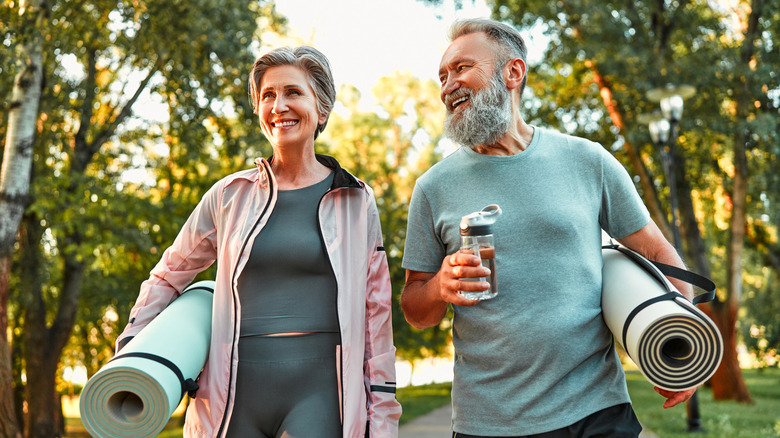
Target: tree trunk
{"points": [[15, 184], [59, 422], [694, 247], [727, 382], [39, 409], [9, 427], [616, 116], [41, 394], [46, 342]]}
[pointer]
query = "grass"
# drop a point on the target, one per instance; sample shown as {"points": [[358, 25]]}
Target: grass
{"points": [[75, 429], [719, 419], [419, 400], [416, 401]]}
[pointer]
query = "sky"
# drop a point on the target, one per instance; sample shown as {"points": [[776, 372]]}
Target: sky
{"points": [[363, 39], [368, 39]]}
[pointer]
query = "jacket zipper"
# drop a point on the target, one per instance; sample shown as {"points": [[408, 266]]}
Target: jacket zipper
{"points": [[338, 317], [235, 301]]}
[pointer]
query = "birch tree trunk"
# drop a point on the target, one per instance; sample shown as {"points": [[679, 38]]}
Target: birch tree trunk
{"points": [[15, 183]]}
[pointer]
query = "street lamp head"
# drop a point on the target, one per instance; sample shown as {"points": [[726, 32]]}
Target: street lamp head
{"points": [[672, 107], [684, 91], [659, 131]]}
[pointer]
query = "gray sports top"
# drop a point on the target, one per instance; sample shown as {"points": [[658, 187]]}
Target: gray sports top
{"points": [[288, 284]]}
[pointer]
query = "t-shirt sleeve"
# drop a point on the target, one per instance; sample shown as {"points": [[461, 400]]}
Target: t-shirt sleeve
{"points": [[423, 249], [622, 209]]}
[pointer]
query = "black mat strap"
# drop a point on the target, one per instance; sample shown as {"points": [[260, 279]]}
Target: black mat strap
{"points": [[689, 277], [692, 278], [188, 386]]}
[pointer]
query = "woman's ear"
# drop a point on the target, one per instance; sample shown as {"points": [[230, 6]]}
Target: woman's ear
{"points": [[515, 73]]}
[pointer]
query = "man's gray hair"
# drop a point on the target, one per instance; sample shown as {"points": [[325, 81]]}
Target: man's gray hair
{"points": [[308, 59], [510, 43]]}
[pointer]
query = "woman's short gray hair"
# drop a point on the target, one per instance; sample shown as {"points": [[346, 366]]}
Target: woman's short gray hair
{"points": [[310, 60], [510, 43]]}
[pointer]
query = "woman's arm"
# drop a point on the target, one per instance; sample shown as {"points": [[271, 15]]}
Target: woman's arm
{"points": [[384, 410]]}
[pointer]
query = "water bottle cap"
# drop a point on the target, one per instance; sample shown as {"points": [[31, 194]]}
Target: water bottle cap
{"points": [[479, 223]]}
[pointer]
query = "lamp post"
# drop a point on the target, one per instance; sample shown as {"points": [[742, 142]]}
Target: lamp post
{"points": [[663, 131], [662, 134]]}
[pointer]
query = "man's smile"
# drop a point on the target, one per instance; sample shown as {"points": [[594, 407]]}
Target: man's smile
{"points": [[457, 97]]}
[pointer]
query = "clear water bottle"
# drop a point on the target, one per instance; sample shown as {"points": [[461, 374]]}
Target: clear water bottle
{"points": [[476, 237]]}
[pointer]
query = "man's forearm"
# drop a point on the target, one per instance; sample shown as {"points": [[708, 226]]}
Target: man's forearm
{"points": [[421, 301], [651, 243]]}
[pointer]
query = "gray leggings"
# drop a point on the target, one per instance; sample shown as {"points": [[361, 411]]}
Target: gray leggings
{"points": [[286, 387]]}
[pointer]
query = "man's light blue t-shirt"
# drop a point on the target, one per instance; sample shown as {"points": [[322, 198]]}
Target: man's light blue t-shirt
{"points": [[537, 357]]}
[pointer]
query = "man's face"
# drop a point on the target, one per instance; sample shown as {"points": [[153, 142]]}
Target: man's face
{"points": [[467, 63], [478, 102]]}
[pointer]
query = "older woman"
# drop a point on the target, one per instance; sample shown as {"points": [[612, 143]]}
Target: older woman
{"points": [[301, 343]]}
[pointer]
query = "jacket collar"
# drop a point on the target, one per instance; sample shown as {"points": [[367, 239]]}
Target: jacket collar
{"points": [[342, 178]]}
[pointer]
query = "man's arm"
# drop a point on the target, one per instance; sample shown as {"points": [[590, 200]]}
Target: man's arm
{"points": [[651, 243], [426, 295]]}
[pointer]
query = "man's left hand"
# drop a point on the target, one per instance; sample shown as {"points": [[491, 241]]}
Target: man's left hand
{"points": [[674, 398]]}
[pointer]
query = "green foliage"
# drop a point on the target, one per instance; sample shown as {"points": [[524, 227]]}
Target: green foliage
{"points": [[760, 320], [389, 146]]}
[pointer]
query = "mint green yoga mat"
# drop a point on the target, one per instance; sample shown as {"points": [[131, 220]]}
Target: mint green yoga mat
{"points": [[136, 392]]}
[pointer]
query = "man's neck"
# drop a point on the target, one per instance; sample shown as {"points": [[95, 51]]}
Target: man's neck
{"points": [[516, 140]]}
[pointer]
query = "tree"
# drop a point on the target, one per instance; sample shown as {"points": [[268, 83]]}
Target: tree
{"points": [[15, 176], [86, 213]]}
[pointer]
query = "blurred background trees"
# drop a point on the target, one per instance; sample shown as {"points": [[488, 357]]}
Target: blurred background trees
{"points": [[141, 106]]}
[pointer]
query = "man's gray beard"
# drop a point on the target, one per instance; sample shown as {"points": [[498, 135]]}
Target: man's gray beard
{"points": [[486, 119]]}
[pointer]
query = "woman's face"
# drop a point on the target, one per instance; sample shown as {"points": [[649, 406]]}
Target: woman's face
{"points": [[288, 108]]}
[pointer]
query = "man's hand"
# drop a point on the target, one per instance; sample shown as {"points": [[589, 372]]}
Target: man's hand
{"points": [[674, 398], [455, 267], [427, 295]]}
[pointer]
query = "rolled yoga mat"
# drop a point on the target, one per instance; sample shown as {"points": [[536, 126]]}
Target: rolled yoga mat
{"points": [[136, 392], [674, 344]]}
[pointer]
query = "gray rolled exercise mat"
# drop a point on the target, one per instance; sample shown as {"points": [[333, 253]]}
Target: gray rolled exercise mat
{"points": [[673, 343], [136, 392]]}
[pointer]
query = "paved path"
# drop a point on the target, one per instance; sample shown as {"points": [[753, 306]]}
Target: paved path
{"points": [[436, 424]]}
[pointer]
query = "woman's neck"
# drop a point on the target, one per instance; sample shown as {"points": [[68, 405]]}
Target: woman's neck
{"points": [[296, 170]]}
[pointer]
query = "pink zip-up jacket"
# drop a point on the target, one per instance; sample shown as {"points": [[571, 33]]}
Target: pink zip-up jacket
{"points": [[223, 227]]}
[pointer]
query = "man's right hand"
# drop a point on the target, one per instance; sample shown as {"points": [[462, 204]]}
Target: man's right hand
{"points": [[426, 295], [456, 267]]}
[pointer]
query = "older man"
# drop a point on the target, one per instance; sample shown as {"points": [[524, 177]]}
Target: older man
{"points": [[537, 358]]}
